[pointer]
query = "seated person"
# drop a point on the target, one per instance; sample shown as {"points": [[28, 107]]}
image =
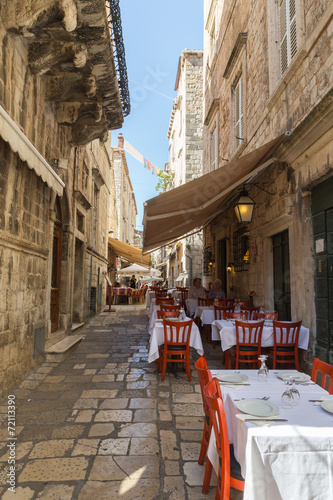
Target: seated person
{"points": [[197, 290], [216, 292], [116, 284], [133, 282]]}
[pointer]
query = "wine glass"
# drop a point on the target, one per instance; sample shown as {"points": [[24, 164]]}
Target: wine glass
{"points": [[263, 370], [287, 398], [294, 391]]}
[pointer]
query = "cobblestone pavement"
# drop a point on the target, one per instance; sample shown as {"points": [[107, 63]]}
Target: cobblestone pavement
{"points": [[101, 424]]}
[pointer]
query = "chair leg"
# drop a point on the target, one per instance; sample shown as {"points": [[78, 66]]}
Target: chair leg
{"points": [[207, 476], [164, 366], [204, 442]]}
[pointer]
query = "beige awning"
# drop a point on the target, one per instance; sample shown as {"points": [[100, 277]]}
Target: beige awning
{"points": [[130, 253], [177, 212], [21, 145]]}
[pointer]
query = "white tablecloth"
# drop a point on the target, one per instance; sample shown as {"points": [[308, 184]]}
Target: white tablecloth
{"points": [[226, 332], [191, 306], [206, 315], [150, 295], [289, 460], [157, 339]]}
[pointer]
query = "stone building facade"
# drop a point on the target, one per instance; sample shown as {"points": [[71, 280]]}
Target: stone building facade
{"points": [[125, 200], [55, 173], [185, 159], [267, 72]]}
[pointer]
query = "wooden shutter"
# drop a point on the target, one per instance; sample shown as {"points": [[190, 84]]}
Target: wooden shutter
{"points": [[288, 33]]}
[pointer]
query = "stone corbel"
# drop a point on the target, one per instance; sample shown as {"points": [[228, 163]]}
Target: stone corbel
{"points": [[70, 87], [43, 56], [86, 130], [69, 11]]}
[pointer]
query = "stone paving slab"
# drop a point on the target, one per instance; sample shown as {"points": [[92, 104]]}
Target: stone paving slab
{"points": [[101, 424]]}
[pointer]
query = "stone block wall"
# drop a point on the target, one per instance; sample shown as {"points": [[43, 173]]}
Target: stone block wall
{"points": [[24, 242]]}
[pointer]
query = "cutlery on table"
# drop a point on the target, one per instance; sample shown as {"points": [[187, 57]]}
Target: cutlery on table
{"points": [[265, 419], [265, 398]]}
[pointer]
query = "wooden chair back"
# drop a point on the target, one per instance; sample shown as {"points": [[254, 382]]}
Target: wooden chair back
{"points": [[272, 316], [250, 311], [170, 307], [168, 314], [177, 344], [205, 302], [164, 300], [219, 422], [325, 374], [220, 310], [236, 315], [248, 342], [285, 349]]}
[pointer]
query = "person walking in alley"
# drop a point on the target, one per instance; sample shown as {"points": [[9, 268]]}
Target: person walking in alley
{"points": [[133, 282]]}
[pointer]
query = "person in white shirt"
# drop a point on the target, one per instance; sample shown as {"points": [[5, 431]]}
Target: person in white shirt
{"points": [[197, 290]]}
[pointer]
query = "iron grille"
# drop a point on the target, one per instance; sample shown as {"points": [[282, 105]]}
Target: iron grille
{"points": [[241, 244], [114, 20]]}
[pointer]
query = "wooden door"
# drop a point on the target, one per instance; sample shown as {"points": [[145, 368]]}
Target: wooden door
{"points": [[322, 224], [281, 276], [55, 278]]}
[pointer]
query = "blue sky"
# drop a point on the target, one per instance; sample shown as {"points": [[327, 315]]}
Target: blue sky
{"points": [[155, 33]]}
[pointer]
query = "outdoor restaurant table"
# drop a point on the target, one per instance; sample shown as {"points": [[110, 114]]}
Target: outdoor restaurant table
{"points": [[121, 292], [150, 295], [177, 294], [191, 306], [226, 332], [157, 339], [206, 314], [153, 316], [287, 460]]}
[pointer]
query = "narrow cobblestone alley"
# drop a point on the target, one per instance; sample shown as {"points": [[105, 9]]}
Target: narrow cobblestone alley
{"points": [[101, 424]]}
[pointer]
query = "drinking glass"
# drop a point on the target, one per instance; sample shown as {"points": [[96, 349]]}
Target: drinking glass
{"points": [[287, 398], [263, 370], [294, 391]]}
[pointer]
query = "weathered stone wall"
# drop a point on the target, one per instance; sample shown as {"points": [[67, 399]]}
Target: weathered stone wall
{"points": [[24, 242], [185, 148], [299, 102], [27, 216]]}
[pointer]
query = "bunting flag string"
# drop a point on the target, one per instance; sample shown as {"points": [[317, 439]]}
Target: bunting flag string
{"points": [[138, 156]]}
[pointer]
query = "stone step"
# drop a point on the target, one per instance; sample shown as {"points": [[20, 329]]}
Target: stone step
{"points": [[60, 350], [76, 326]]}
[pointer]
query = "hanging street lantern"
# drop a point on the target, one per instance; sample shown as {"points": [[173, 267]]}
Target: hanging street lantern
{"points": [[244, 207]]}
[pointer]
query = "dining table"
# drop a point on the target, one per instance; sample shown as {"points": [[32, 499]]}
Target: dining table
{"points": [[206, 314], [157, 339], [287, 453], [122, 291], [225, 331], [153, 316], [191, 306]]}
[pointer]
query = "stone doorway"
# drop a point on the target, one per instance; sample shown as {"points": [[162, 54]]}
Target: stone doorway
{"points": [[56, 268], [78, 282]]}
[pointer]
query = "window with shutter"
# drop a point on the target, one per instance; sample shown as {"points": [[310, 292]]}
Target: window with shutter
{"points": [[288, 34], [238, 113]]}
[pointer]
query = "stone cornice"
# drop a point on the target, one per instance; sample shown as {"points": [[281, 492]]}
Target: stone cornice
{"points": [[240, 42], [16, 243]]}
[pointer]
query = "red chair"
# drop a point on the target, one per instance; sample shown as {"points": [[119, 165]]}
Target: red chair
{"points": [[176, 343], [168, 314], [236, 315], [326, 374], [170, 307], [285, 350], [272, 316], [250, 311], [229, 475], [205, 302], [220, 310], [248, 344], [184, 292], [164, 301], [204, 377]]}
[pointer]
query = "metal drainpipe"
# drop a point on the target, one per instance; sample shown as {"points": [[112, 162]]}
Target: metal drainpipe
{"points": [[190, 273], [92, 249]]}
